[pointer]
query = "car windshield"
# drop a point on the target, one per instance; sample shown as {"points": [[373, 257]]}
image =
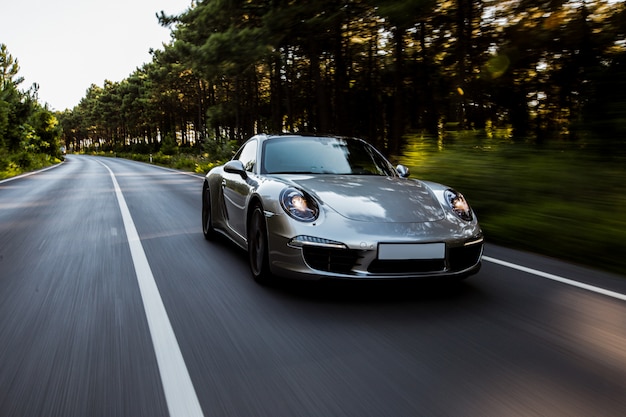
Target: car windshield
{"points": [[313, 155]]}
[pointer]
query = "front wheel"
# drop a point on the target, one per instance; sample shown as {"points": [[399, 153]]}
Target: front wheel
{"points": [[257, 247], [207, 224]]}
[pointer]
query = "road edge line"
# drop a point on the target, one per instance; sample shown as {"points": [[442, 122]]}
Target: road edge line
{"points": [[567, 281], [28, 174]]}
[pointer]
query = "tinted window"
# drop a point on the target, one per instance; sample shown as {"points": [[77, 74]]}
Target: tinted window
{"points": [[323, 156]]}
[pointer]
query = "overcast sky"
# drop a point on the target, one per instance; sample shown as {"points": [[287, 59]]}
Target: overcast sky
{"points": [[67, 45]]}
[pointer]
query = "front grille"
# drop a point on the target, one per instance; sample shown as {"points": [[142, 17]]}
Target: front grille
{"points": [[464, 257], [343, 261], [330, 259], [417, 266]]}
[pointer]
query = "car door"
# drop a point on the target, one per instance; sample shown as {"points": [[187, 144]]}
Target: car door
{"points": [[236, 188]]}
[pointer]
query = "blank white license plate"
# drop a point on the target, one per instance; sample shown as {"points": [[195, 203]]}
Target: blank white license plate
{"points": [[398, 251]]}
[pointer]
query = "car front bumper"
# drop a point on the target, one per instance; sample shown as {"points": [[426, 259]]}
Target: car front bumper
{"points": [[350, 250]]}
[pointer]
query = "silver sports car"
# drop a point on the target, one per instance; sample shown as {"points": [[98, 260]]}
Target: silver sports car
{"points": [[334, 207]]}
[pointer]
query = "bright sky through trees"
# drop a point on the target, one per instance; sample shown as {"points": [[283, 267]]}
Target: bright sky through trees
{"points": [[67, 45]]}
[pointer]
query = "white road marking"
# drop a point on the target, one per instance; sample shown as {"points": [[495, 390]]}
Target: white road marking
{"points": [[557, 278], [180, 394], [28, 174]]}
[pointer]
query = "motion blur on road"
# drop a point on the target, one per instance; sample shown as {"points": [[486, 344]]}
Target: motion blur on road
{"points": [[80, 336]]}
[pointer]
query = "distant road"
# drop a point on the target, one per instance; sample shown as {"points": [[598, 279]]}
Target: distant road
{"points": [[113, 304]]}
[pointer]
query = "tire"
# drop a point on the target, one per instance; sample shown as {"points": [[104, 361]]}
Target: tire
{"points": [[207, 223], [258, 255]]}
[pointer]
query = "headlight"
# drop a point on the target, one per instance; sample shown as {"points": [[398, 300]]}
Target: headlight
{"points": [[299, 205], [302, 241], [459, 205]]}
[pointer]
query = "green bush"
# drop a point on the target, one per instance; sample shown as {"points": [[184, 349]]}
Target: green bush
{"points": [[24, 160], [12, 165], [562, 201], [168, 146]]}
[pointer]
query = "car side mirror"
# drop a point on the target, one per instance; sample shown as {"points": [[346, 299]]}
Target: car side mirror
{"points": [[235, 166], [403, 171]]}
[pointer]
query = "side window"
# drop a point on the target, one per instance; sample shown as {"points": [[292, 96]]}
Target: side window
{"points": [[247, 155]]}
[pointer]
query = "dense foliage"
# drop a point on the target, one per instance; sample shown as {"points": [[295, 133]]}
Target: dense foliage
{"points": [[377, 69], [555, 200], [29, 133]]}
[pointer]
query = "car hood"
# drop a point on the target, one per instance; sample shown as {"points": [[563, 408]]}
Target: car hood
{"points": [[374, 198]]}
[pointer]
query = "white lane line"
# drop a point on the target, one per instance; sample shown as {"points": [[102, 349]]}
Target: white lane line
{"points": [[180, 394], [557, 278], [28, 174]]}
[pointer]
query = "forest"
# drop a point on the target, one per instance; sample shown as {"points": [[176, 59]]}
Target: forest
{"points": [[30, 133], [544, 70]]}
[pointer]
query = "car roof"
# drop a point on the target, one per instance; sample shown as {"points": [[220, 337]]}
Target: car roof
{"points": [[265, 136]]}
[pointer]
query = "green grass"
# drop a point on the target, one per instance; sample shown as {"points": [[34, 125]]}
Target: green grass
{"points": [[563, 201], [12, 165]]}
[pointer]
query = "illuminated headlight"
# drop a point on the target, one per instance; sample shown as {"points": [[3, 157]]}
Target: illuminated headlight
{"points": [[299, 205], [459, 205]]}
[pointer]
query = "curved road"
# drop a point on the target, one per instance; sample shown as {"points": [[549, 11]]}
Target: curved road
{"points": [[113, 304]]}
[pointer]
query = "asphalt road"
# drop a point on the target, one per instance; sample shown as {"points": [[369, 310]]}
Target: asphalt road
{"points": [[97, 321]]}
